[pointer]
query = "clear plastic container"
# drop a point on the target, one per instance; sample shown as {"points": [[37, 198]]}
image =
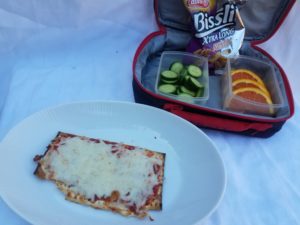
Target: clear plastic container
{"points": [[236, 99], [168, 58]]}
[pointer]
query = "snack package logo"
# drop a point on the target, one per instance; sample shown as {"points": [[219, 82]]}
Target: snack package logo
{"points": [[206, 24], [197, 4]]}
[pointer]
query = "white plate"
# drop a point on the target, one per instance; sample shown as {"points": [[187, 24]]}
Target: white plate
{"points": [[194, 173]]}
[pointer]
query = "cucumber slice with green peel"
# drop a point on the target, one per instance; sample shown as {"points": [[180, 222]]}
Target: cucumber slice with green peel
{"points": [[194, 71], [163, 81], [200, 92], [184, 72], [182, 78], [169, 75], [185, 95], [176, 67], [178, 92], [186, 79], [183, 89], [193, 84], [167, 88]]}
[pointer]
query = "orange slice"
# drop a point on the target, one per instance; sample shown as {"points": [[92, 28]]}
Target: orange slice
{"points": [[246, 74], [244, 83], [253, 94]]}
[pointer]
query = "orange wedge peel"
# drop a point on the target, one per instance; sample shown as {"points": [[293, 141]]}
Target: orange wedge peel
{"points": [[256, 95], [244, 83], [246, 74], [253, 94]]}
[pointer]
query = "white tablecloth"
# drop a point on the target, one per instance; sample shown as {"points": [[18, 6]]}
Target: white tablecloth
{"points": [[92, 61]]}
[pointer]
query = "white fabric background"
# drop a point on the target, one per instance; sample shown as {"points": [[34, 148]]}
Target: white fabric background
{"points": [[91, 58]]}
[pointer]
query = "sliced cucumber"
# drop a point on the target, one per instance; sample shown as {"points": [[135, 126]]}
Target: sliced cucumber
{"points": [[167, 88], [176, 67], [200, 92], [185, 95], [186, 79], [163, 81], [194, 71], [169, 75], [193, 84], [182, 80], [183, 89], [184, 72]]}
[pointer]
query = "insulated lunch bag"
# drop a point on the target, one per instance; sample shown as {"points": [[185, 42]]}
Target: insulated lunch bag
{"points": [[261, 20]]}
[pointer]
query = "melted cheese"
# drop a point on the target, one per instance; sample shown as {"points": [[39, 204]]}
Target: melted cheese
{"points": [[93, 169]]}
